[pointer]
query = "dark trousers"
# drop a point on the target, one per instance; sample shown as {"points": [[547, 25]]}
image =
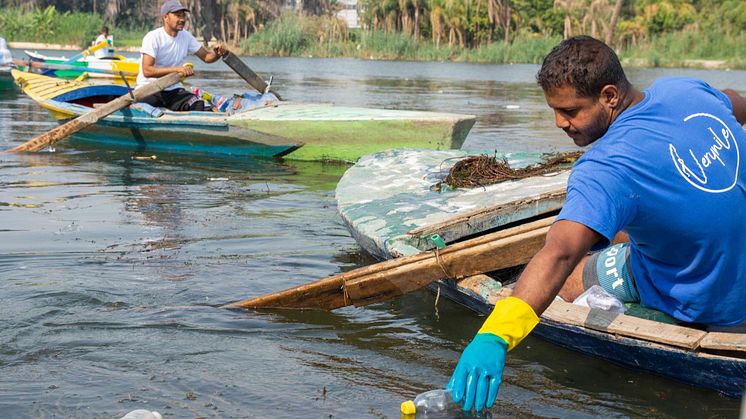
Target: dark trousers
{"points": [[177, 100]]}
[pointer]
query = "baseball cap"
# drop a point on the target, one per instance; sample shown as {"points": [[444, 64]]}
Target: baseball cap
{"points": [[171, 6]]}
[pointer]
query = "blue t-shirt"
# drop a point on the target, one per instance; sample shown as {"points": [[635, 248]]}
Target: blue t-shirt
{"points": [[669, 172]]}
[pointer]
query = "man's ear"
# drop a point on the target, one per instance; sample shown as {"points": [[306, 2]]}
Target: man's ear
{"points": [[609, 96]]}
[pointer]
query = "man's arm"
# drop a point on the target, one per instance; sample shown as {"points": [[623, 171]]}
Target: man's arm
{"points": [[739, 105], [150, 70], [213, 54], [566, 244], [478, 374]]}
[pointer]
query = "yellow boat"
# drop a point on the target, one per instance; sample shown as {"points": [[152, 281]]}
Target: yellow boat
{"points": [[114, 67]]}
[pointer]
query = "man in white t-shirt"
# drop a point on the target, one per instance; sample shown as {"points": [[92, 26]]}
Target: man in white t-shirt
{"points": [[108, 50], [163, 52]]}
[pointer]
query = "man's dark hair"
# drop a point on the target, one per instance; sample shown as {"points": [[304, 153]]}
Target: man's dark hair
{"points": [[104, 29], [584, 63]]}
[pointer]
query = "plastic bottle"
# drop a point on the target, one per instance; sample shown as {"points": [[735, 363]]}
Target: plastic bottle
{"points": [[430, 404], [142, 414], [597, 297]]}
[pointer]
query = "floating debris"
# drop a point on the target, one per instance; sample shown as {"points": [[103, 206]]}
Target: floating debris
{"points": [[486, 170]]}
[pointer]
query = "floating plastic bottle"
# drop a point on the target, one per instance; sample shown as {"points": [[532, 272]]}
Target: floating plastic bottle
{"points": [[430, 404], [142, 414]]}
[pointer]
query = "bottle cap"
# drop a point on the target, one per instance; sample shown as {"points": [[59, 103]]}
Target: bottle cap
{"points": [[407, 408]]}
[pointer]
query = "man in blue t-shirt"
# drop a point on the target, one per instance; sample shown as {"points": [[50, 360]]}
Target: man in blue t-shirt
{"points": [[664, 175]]}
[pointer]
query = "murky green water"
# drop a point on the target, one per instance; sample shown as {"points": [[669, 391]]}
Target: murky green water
{"points": [[113, 268]]}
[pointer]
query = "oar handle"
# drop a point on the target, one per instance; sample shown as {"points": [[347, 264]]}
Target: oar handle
{"points": [[87, 51], [90, 118]]}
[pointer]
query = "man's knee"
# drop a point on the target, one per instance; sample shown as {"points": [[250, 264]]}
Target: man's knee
{"points": [[197, 106]]}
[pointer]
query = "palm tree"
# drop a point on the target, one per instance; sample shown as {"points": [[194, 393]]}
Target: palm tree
{"points": [[612, 24], [112, 11]]}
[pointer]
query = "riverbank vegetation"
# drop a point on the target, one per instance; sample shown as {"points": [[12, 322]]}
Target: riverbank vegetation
{"points": [[644, 32]]}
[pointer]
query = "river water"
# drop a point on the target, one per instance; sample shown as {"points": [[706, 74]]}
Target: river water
{"points": [[113, 268]]}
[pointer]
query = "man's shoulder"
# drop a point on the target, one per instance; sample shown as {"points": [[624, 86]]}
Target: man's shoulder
{"points": [[673, 82], [154, 34]]}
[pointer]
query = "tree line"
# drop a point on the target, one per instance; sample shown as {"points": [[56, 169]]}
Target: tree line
{"points": [[461, 23], [470, 23], [226, 20]]}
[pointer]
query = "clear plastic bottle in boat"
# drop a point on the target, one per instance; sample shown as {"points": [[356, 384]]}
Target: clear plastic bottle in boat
{"points": [[431, 404]]}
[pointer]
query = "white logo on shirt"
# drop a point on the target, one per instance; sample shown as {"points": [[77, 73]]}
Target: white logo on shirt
{"points": [[719, 156]]}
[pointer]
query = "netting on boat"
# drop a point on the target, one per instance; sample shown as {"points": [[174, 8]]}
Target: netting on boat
{"points": [[483, 170]]}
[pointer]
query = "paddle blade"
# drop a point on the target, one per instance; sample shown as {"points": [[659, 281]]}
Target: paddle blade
{"points": [[326, 294], [246, 73]]}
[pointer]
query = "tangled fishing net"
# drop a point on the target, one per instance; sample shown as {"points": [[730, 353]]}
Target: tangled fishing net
{"points": [[485, 170]]}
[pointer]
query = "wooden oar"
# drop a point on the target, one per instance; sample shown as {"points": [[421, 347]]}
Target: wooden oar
{"points": [[78, 56], [86, 52], [93, 116], [55, 67], [246, 73], [386, 280]]}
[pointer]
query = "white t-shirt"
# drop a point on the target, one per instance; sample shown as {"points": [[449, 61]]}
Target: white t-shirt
{"points": [[5, 57], [168, 51], [106, 51]]}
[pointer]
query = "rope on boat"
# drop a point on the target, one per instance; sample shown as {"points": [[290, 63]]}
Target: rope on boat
{"points": [[483, 170], [440, 263]]}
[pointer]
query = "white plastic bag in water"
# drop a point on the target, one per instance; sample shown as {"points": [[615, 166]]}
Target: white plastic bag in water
{"points": [[597, 297]]}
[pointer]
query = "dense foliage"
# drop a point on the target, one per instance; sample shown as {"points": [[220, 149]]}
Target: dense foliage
{"points": [[661, 32]]}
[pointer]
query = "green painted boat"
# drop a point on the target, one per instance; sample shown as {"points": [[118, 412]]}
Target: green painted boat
{"points": [[326, 131], [88, 66], [387, 195], [6, 65], [6, 78]]}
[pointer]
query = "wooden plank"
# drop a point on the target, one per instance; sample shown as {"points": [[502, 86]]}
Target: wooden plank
{"points": [[465, 261], [724, 341], [612, 323], [623, 325], [385, 280]]}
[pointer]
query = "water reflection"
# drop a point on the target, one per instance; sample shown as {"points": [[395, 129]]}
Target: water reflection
{"points": [[113, 267]]}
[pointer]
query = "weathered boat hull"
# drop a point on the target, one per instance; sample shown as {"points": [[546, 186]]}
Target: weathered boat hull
{"points": [[133, 129], [386, 197], [178, 139], [327, 132], [724, 374], [396, 214]]}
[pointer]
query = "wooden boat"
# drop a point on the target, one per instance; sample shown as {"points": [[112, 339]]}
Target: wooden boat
{"points": [[112, 67], [137, 128], [327, 132], [389, 204]]}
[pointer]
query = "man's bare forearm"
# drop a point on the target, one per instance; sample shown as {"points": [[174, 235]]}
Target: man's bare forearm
{"points": [[543, 278], [160, 71], [566, 244]]}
